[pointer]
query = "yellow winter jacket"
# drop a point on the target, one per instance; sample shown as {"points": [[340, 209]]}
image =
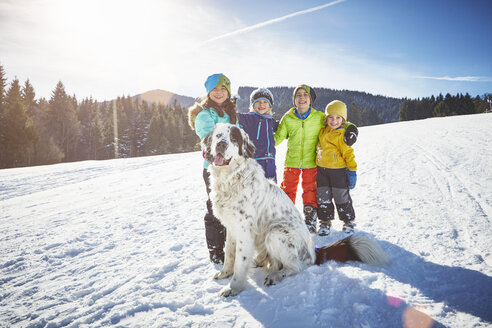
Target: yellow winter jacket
{"points": [[332, 152]]}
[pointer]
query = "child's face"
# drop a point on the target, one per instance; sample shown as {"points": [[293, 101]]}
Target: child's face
{"points": [[219, 94], [261, 107], [335, 121], [302, 100]]}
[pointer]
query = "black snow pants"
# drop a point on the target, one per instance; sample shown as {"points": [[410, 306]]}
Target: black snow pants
{"points": [[332, 184], [215, 232]]}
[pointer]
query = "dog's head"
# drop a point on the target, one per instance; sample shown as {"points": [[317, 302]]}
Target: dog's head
{"points": [[227, 142]]}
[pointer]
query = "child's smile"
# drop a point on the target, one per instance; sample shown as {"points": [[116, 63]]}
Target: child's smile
{"points": [[302, 100], [261, 106], [219, 94], [335, 121]]}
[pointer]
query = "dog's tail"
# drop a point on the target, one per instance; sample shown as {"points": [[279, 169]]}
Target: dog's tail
{"points": [[354, 248]]}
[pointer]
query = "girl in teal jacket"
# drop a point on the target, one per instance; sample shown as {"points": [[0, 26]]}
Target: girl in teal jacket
{"points": [[216, 107]]}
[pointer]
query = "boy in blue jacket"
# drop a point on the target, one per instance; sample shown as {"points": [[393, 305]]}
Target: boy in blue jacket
{"points": [[260, 126]]}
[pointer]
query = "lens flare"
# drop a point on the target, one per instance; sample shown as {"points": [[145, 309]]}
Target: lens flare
{"points": [[394, 301], [413, 318]]}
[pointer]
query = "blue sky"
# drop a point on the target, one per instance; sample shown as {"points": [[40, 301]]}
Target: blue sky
{"points": [[108, 48]]}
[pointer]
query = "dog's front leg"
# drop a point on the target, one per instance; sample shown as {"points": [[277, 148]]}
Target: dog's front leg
{"points": [[244, 256], [229, 258]]}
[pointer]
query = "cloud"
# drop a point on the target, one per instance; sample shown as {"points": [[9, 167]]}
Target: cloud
{"points": [[270, 22], [458, 78]]}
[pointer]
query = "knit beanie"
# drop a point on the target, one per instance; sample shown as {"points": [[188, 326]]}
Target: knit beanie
{"points": [[308, 89], [215, 80], [261, 93], [336, 107]]}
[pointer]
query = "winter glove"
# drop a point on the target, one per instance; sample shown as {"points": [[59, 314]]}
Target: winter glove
{"points": [[351, 133], [352, 178]]}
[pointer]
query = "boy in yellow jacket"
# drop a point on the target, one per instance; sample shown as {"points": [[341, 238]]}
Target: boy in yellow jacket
{"points": [[337, 169]]}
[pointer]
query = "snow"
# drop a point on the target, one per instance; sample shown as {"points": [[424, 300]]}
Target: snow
{"points": [[121, 242]]}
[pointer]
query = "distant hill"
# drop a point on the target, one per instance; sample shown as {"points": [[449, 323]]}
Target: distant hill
{"points": [[386, 108], [164, 97], [361, 104]]}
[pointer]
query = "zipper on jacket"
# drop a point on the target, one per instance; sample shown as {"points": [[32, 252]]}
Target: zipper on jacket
{"points": [[268, 139], [302, 145], [258, 132]]}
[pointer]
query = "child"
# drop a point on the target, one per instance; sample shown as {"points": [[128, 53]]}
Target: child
{"points": [[260, 126], [301, 125], [337, 170], [216, 107]]}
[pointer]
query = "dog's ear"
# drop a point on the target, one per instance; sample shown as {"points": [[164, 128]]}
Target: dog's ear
{"points": [[206, 141], [246, 147], [207, 144]]}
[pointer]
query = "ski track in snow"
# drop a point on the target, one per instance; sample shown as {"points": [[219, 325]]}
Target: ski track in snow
{"points": [[121, 242]]}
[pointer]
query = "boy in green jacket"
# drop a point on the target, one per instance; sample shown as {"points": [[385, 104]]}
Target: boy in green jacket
{"points": [[301, 125]]}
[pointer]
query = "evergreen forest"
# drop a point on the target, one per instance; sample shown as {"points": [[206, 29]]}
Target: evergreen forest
{"points": [[64, 129]]}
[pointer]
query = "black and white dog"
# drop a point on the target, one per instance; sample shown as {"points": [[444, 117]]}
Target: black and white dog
{"points": [[261, 220]]}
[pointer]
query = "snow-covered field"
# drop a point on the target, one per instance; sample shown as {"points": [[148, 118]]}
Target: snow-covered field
{"points": [[121, 242]]}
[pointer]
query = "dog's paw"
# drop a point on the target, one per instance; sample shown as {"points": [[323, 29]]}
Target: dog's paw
{"points": [[274, 278], [222, 275], [228, 291]]}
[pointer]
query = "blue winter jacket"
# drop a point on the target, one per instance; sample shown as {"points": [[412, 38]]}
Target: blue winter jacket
{"points": [[260, 129]]}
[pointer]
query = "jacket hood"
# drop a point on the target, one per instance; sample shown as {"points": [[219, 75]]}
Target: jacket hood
{"points": [[192, 113]]}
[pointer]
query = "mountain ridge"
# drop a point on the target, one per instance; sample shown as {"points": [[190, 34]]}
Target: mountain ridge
{"points": [[164, 97]]}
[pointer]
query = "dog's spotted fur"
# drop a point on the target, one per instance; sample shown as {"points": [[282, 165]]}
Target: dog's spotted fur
{"points": [[259, 217]]}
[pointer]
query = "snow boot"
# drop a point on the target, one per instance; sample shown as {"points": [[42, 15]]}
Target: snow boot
{"points": [[324, 228], [216, 256], [326, 213], [348, 227], [310, 215]]}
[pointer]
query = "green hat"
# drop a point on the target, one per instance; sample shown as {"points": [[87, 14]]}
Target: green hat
{"points": [[308, 89], [336, 107]]}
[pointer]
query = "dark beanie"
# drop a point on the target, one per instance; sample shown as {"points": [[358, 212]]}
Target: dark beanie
{"points": [[308, 89], [261, 93]]}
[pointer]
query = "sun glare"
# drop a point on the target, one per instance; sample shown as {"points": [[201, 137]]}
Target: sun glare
{"points": [[118, 29]]}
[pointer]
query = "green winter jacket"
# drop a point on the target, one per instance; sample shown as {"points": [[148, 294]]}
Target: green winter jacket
{"points": [[303, 138]]}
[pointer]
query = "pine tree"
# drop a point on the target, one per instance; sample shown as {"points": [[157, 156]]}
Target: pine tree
{"points": [[108, 145], [449, 101], [124, 126], [91, 130], [3, 81], [467, 104], [19, 135], [406, 110], [481, 105], [29, 98], [156, 143], [441, 109], [370, 117], [63, 122], [46, 151], [354, 114]]}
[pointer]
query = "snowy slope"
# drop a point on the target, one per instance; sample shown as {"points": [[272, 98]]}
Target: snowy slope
{"points": [[121, 242]]}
